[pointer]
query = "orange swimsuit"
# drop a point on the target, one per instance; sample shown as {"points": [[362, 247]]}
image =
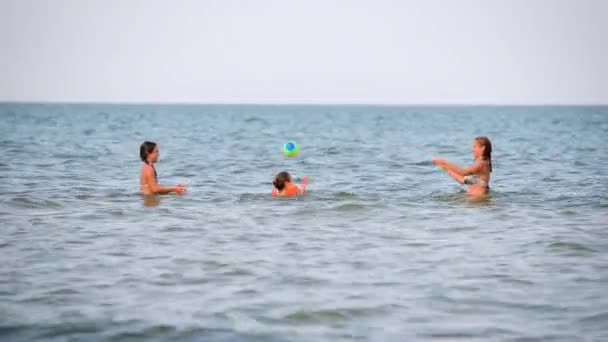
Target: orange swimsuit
{"points": [[290, 190]]}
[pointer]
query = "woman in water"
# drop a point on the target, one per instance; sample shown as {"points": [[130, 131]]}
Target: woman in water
{"points": [[477, 176], [283, 186], [148, 180]]}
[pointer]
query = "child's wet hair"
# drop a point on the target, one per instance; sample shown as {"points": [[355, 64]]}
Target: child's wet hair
{"points": [[146, 149], [487, 149], [281, 179]]}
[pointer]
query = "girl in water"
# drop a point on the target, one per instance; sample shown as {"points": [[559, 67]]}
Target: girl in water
{"points": [[148, 180], [283, 187], [477, 176]]}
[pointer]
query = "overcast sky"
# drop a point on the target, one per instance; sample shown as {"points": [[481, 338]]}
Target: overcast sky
{"points": [[309, 51]]}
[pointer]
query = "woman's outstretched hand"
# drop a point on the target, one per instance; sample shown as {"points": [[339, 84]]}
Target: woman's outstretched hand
{"points": [[439, 162]]}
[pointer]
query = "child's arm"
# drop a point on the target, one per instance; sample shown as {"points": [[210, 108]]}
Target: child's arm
{"points": [[302, 188], [444, 164], [162, 190], [460, 179], [157, 189]]}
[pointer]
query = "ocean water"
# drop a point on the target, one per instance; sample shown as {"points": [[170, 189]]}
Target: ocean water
{"points": [[385, 247]]}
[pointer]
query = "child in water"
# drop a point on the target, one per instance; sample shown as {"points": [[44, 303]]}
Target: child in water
{"points": [[283, 186], [148, 179], [477, 176]]}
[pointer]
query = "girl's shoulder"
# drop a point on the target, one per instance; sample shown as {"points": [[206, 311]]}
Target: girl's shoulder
{"points": [[482, 163], [147, 168]]}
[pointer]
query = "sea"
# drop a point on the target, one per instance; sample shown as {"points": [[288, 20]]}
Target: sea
{"points": [[383, 247]]}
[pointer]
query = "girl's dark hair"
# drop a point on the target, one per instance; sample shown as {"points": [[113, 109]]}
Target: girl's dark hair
{"points": [[145, 149], [487, 150], [281, 179]]}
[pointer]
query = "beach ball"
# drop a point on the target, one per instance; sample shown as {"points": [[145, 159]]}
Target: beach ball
{"points": [[290, 149]]}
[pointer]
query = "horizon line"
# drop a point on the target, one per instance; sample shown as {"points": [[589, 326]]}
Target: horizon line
{"points": [[353, 104]]}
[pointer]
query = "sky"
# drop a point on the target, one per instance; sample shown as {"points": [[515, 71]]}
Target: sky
{"points": [[312, 51]]}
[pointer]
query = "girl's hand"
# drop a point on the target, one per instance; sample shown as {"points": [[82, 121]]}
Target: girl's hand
{"points": [[439, 162], [180, 190], [305, 180]]}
